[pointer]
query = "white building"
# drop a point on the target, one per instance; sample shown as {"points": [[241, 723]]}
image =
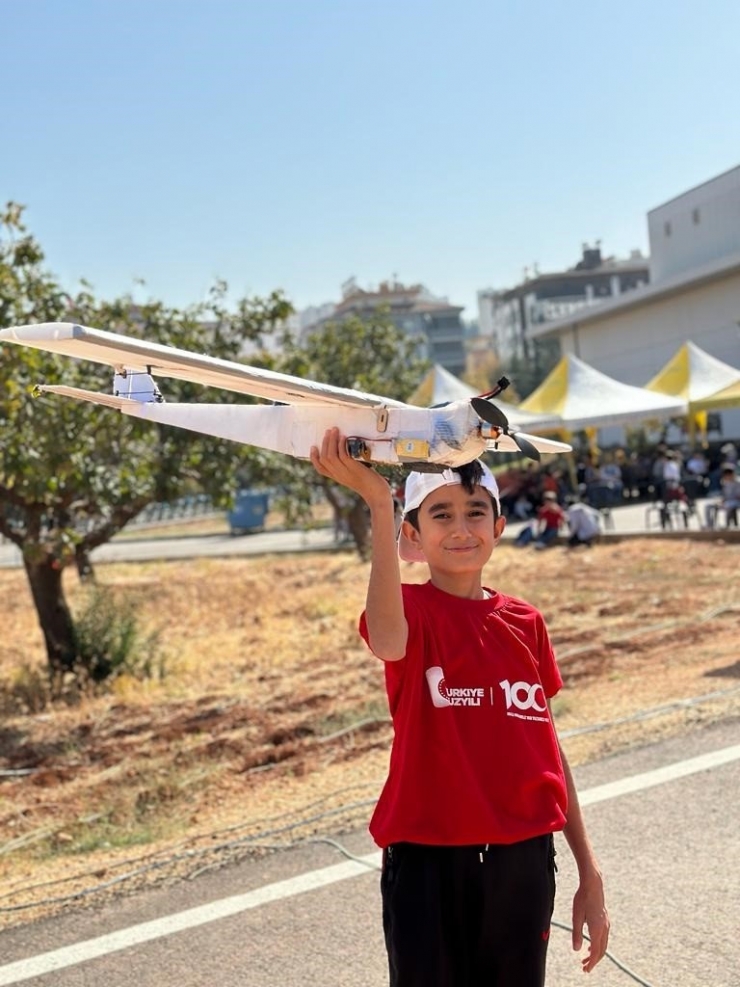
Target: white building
{"points": [[507, 316], [694, 293], [696, 228]]}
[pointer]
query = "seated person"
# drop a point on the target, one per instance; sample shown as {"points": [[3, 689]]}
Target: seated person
{"points": [[522, 509], [637, 475], [584, 524], [544, 529], [510, 484], [697, 463], [606, 489], [610, 473], [729, 497]]}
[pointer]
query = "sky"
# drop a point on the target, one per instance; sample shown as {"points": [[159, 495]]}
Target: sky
{"points": [[294, 144]]}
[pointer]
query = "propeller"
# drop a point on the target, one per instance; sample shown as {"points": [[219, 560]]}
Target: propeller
{"points": [[489, 412]]}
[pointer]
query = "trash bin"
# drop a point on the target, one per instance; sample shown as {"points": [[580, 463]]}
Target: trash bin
{"points": [[248, 513]]}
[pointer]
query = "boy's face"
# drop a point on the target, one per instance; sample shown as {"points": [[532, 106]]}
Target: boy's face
{"points": [[457, 530]]}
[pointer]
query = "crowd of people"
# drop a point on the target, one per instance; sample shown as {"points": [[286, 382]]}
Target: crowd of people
{"points": [[554, 498]]}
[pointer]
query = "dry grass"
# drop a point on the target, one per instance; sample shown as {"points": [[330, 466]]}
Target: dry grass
{"points": [[265, 672]]}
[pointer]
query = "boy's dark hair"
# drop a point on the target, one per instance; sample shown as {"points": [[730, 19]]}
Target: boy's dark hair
{"points": [[470, 475]]}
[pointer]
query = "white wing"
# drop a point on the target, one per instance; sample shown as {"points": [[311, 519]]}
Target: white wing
{"points": [[119, 351], [507, 444], [389, 431]]}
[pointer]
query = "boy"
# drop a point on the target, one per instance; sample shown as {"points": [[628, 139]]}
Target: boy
{"points": [[477, 782]]}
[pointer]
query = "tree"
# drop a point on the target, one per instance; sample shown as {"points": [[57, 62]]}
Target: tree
{"points": [[527, 372], [71, 477], [368, 354], [484, 374]]}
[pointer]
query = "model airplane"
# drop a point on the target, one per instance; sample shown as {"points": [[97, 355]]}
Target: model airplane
{"points": [[379, 430]]}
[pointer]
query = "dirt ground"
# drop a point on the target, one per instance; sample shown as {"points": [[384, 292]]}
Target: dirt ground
{"points": [[267, 723]]}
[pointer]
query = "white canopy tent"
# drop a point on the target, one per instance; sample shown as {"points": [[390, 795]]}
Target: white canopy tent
{"points": [[579, 397], [440, 387], [705, 382]]}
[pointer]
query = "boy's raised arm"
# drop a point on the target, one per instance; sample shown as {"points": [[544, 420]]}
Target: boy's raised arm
{"points": [[386, 623]]}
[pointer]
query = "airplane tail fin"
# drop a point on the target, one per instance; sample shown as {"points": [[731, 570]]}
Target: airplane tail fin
{"points": [[136, 386], [130, 388]]}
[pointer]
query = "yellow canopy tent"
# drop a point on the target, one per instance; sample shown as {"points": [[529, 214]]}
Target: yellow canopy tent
{"points": [[703, 381], [582, 397], [440, 386], [728, 397]]}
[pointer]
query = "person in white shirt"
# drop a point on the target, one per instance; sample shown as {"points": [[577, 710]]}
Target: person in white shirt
{"points": [[672, 469], [584, 524]]}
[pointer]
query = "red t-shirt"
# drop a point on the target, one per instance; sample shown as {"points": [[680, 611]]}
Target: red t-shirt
{"points": [[552, 514], [475, 758]]}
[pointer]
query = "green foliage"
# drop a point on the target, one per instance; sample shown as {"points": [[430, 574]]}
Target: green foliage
{"points": [[369, 354], [111, 642], [71, 476], [366, 354], [527, 372]]}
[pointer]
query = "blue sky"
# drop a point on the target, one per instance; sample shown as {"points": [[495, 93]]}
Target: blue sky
{"points": [[295, 143]]}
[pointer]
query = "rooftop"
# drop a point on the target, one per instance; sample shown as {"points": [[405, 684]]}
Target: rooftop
{"points": [[644, 295]]}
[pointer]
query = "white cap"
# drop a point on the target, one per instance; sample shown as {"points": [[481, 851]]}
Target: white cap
{"points": [[417, 489]]}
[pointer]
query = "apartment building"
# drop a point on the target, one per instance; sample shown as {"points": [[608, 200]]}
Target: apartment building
{"points": [[508, 316], [433, 321]]}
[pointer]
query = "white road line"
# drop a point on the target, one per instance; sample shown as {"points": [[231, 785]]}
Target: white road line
{"points": [[59, 959], [648, 779]]}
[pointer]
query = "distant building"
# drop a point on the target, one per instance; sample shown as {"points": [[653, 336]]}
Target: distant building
{"points": [[309, 318], [695, 229], [508, 316], [693, 294], [433, 321]]}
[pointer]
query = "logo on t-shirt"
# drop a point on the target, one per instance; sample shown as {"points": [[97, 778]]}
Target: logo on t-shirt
{"points": [[444, 696], [524, 700]]}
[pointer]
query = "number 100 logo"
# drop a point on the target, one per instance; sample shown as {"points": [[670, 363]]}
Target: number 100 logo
{"points": [[524, 696]]}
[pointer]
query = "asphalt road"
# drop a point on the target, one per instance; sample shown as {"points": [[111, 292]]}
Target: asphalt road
{"points": [[670, 853], [145, 548], [667, 840], [626, 521]]}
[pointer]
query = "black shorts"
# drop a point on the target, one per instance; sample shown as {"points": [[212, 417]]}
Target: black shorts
{"points": [[468, 916]]}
